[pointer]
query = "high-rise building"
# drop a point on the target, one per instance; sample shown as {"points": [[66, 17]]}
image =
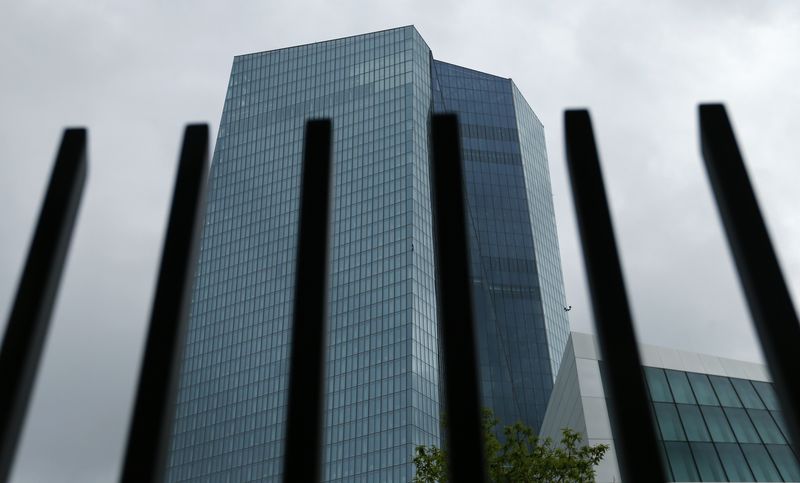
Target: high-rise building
{"points": [[521, 323], [383, 374]]}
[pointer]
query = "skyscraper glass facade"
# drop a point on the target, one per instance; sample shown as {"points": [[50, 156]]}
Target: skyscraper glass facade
{"points": [[518, 291], [716, 428], [382, 381]]}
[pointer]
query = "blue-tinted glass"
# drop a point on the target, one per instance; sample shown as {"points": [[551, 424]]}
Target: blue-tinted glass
{"points": [[382, 374], [665, 461], [717, 424], [518, 294], [725, 393], [693, 423], [681, 389], [708, 464], [657, 381], [767, 394], [747, 394], [681, 462], [668, 422], [765, 426], [778, 417], [702, 389], [760, 462], [785, 460], [742, 427], [734, 463]]}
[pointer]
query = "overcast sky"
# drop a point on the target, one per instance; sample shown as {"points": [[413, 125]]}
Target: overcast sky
{"points": [[135, 72]]}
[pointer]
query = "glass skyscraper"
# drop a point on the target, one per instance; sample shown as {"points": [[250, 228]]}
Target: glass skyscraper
{"points": [[383, 372]]}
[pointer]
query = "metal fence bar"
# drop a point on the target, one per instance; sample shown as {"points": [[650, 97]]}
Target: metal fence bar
{"points": [[637, 447], [464, 431], [310, 328], [29, 320], [154, 410], [760, 274]]}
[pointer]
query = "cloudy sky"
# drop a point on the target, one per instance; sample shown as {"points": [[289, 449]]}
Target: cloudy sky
{"points": [[136, 72]]}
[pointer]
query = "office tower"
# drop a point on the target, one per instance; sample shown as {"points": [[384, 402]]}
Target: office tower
{"points": [[383, 377], [518, 292], [718, 419]]}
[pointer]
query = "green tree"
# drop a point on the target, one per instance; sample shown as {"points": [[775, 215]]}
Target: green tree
{"points": [[521, 458]]}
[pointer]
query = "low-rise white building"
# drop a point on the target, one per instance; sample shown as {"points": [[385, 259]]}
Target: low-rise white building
{"points": [[717, 418]]}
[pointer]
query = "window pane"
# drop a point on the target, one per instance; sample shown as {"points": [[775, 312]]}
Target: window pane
{"points": [[765, 426], [727, 396], [767, 394], [760, 462], [680, 387], [702, 389], [657, 381], [742, 427], [693, 423], [778, 417], [733, 462], [717, 425], [680, 461], [669, 422], [666, 462], [708, 463], [785, 460], [747, 394]]}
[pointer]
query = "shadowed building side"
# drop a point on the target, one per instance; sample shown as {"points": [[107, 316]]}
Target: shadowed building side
{"points": [[517, 284]]}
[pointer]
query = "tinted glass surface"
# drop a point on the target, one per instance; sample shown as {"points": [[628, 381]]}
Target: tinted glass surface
{"points": [[767, 394], [747, 394], [785, 460], [382, 376], [742, 426], [702, 389], [668, 422], [731, 436], [708, 464], [681, 462], [734, 463], [657, 382], [727, 396], [766, 426], [382, 392], [681, 390], [516, 273], [760, 463]]}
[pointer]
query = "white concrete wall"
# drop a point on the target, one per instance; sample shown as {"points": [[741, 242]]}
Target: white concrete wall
{"points": [[578, 402]]}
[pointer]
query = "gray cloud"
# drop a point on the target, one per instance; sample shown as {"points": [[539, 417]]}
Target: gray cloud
{"points": [[135, 72]]}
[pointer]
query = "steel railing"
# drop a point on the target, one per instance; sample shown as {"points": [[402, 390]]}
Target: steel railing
{"points": [[639, 458]]}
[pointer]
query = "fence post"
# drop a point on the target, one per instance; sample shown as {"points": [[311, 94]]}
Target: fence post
{"points": [[637, 447], [464, 431], [768, 298], [154, 409], [305, 420], [29, 320]]}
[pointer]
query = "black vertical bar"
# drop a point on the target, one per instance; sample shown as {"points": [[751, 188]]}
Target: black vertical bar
{"points": [[760, 274], [309, 331], [634, 434], [29, 320], [151, 424], [464, 431]]}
